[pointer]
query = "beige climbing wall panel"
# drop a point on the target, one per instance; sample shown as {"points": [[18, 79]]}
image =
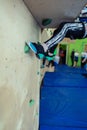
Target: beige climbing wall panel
{"points": [[19, 82]]}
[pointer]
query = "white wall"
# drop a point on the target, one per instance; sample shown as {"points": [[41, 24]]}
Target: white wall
{"points": [[19, 82]]}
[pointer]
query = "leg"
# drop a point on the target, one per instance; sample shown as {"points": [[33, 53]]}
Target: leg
{"points": [[58, 36], [43, 63], [44, 60], [72, 60], [49, 63], [74, 64], [65, 29], [52, 63]]}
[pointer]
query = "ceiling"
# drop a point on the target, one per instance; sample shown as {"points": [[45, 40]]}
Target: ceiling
{"points": [[57, 10]]}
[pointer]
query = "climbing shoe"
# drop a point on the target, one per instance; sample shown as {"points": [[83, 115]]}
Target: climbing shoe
{"points": [[37, 49], [40, 56]]}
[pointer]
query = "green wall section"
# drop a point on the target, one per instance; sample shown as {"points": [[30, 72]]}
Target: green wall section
{"points": [[77, 45]]}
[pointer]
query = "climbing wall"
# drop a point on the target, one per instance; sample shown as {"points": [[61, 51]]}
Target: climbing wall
{"points": [[19, 72]]}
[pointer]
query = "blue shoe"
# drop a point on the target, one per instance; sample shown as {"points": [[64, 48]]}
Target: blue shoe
{"points": [[37, 49], [32, 47]]}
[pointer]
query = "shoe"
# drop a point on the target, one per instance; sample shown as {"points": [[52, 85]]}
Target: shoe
{"points": [[36, 48], [49, 58], [40, 56]]}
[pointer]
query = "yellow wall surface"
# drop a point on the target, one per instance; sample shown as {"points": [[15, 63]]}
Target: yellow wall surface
{"points": [[19, 79]]}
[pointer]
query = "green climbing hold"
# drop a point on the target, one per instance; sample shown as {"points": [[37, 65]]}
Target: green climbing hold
{"points": [[31, 102], [37, 114], [38, 73], [47, 21], [41, 75], [26, 48]]}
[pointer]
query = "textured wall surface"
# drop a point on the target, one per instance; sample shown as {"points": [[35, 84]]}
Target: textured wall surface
{"points": [[19, 79]]}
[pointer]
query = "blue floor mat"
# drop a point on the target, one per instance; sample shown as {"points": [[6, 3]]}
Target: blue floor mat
{"points": [[43, 127], [64, 79], [63, 106], [65, 68], [63, 100]]}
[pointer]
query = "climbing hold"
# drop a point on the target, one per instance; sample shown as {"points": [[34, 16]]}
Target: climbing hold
{"points": [[41, 75], [47, 21], [31, 102], [51, 33], [26, 48], [38, 73], [37, 114]]}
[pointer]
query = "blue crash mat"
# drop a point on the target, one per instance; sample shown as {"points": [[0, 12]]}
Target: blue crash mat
{"points": [[63, 100], [45, 127], [63, 107], [64, 79], [65, 68]]}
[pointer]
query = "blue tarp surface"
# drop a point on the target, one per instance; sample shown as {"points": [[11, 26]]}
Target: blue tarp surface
{"points": [[63, 100]]}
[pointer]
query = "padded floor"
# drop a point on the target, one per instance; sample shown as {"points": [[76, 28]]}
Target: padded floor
{"points": [[63, 100]]}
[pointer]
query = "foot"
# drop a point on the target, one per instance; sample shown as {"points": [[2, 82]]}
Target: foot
{"points": [[37, 49], [49, 58]]}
